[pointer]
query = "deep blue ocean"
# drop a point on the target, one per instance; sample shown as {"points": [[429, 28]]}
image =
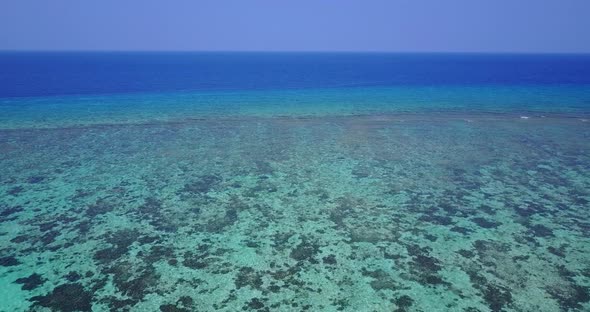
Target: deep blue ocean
{"points": [[294, 182], [70, 73]]}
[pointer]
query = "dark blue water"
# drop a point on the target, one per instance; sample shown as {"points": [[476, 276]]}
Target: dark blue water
{"points": [[55, 74]]}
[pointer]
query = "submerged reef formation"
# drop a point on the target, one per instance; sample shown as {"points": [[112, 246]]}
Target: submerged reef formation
{"points": [[355, 213]]}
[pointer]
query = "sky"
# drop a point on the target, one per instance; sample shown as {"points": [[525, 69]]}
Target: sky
{"points": [[297, 25]]}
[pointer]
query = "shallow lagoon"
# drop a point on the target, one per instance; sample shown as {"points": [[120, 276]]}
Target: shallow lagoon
{"points": [[402, 212]]}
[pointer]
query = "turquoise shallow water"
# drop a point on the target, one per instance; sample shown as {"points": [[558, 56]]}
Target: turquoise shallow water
{"points": [[67, 111], [425, 197]]}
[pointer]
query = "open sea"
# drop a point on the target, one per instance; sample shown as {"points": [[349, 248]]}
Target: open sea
{"points": [[294, 182]]}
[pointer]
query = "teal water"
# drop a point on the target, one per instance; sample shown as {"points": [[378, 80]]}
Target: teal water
{"points": [[68, 111], [371, 198]]}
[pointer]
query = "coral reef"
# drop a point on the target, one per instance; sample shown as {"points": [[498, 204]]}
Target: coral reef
{"points": [[376, 212]]}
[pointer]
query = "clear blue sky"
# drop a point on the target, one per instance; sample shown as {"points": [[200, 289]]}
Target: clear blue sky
{"points": [[295, 25]]}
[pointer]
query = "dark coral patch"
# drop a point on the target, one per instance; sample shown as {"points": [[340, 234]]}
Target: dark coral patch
{"points": [[7, 212], [173, 261], [73, 276], [35, 179], [247, 276], [9, 261], [424, 267], [231, 215], [305, 251], [157, 253], [20, 239], [497, 297], [121, 241], [198, 259], [47, 226], [100, 207], [172, 308], [422, 259], [185, 301], [331, 259], [560, 252], [151, 207], [137, 288], [520, 258], [381, 280], [66, 297], [477, 280], [49, 237], [569, 295], [427, 263], [484, 247], [539, 230], [121, 304], [83, 226], [194, 262], [462, 230], [343, 210], [15, 190], [229, 218], [403, 303], [133, 281], [466, 253], [436, 219], [431, 237], [570, 298], [288, 276], [203, 185], [153, 211], [31, 282], [255, 304], [485, 223], [487, 209], [450, 209]]}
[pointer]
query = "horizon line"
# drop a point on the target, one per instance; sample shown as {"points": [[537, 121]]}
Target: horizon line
{"points": [[287, 51]]}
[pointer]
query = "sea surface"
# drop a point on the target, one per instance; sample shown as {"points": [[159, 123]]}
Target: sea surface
{"points": [[294, 182]]}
